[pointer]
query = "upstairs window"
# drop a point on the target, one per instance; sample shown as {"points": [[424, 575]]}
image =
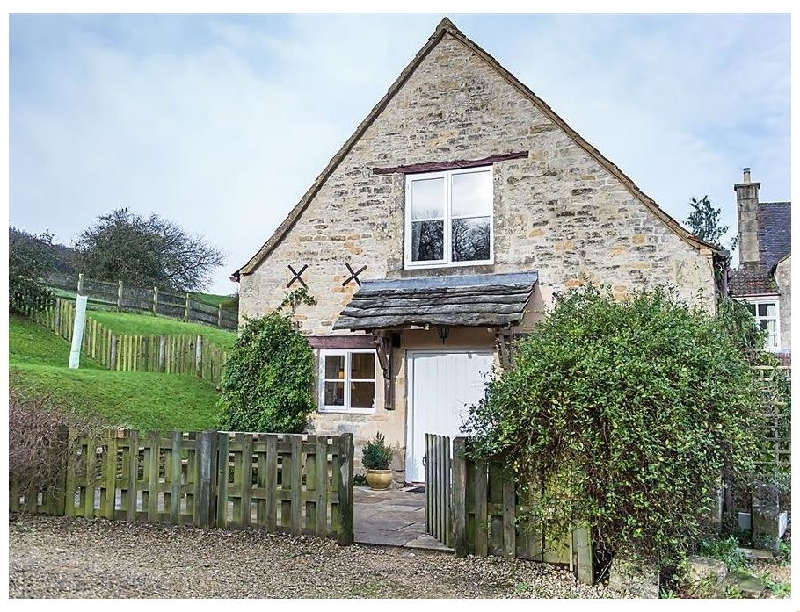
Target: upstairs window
{"points": [[449, 218], [765, 313]]}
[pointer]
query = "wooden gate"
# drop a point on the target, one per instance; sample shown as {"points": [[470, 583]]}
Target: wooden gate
{"points": [[438, 488], [473, 507]]}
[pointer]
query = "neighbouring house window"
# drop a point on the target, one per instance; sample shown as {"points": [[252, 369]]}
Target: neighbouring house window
{"points": [[449, 218], [765, 313], [347, 380]]}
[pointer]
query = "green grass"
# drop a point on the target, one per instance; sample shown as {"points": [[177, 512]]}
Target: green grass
{"points": [[29, 342], [140, 400], [144, 324], [212, 299]]}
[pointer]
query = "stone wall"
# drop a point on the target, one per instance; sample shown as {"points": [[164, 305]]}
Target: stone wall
{"points": [[557, 211], [783, 277]]}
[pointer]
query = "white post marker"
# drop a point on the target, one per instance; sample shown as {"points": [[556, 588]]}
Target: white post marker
{"points": [[77, 332]]}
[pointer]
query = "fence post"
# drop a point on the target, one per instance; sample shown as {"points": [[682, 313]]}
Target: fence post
{"points": [[582, 555], [162, 353], [57, 317], [80, 283], [119, 297], [219, 315], [58, 498], [155, 301], [198, 356], [112, 362], [186, 308], [459, 508], [205, 507], [345, 477]]}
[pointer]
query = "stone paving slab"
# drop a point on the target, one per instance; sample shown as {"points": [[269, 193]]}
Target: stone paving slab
{"points": [[393, 517]]}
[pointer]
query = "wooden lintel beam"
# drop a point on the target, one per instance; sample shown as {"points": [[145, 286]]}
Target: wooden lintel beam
{"points": [[450, 165]]}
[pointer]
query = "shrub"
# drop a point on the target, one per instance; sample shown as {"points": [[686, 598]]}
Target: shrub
{"points": [[376, 455], [29, 260], [628, 411], [37, 443], [268, 378]]}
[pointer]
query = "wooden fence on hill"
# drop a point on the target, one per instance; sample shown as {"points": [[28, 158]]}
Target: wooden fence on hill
{"points": [[174, 354], [299, 484], [124, 298]]}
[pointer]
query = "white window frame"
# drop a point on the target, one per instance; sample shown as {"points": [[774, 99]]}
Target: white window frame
{"points": [[448, 220], [348, 356], [774, 301]]}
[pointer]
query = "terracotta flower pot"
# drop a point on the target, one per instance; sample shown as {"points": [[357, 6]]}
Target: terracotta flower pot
{"points": [[379, 479]]}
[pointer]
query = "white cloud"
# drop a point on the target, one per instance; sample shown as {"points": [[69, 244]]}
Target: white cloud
{"points": [[221, 124]]}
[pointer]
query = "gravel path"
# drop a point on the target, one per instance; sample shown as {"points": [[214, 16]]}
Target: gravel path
{"points": [[58, 557]]}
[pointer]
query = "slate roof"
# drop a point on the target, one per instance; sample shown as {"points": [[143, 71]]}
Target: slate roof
{"points": [[775, 243], [487, 300], [774, 232]]}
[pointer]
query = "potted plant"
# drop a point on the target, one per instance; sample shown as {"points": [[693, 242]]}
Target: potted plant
{"points": [[376, 458]]}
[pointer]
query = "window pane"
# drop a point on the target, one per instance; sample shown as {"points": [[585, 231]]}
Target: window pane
{"points": [[362, 394], [427, 240], [334, 393], [471, 239], [363, 365], [472, 194], [427, 199], [334, 366], [766, 310]]}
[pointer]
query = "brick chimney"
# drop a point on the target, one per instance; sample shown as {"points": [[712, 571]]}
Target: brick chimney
{"points": [[747, 206]]}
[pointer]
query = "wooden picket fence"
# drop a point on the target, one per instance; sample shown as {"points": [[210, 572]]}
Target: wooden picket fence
{"points": [[474, 507], [173, 354], [299, 484]]}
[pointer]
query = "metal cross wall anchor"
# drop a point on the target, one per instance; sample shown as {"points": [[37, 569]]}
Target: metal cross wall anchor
{"points": [[297, 276], [353, 275]]}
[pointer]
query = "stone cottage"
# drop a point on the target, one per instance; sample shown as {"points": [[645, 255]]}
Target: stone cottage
{"points": [[762, 279], [441, 228]]}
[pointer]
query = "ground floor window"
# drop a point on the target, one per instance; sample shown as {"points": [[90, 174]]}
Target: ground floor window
{"points": [[765, 312], [346, 380]]}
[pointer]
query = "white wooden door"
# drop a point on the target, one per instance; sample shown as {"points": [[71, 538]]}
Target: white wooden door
{"points": [[442, 385]]}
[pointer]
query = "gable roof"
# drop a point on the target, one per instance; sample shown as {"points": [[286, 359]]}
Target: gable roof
{"points": [[774, 245], [446, 27], [774, 232]]}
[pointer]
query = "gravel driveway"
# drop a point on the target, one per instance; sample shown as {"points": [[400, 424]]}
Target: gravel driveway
{"points": [[58, 557]]}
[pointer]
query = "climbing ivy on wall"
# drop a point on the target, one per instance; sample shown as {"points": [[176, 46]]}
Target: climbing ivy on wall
{"points": [[267, 385]]}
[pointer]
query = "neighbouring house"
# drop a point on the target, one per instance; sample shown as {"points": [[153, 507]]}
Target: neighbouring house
{"points": [[440, 230], [763, 276]]}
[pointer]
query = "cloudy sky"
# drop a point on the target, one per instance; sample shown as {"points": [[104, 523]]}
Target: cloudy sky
{"points": [[221, 122]]}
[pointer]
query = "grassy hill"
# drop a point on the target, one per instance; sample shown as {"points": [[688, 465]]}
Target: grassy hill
{"points": [[141, 400], [132, 323]]}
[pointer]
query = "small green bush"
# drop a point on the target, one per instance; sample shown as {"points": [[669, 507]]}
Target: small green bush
{"points": [[376, 455], [726, 550], [628, 412]]}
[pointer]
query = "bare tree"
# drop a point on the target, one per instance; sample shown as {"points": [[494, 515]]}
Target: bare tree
{"points": [[146, 252]]}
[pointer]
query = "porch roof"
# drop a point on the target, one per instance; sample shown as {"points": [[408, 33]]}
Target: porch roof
{"points": [[485, 300]]}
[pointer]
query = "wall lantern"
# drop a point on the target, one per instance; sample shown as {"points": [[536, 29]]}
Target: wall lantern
{"points": [[443, 333]]}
